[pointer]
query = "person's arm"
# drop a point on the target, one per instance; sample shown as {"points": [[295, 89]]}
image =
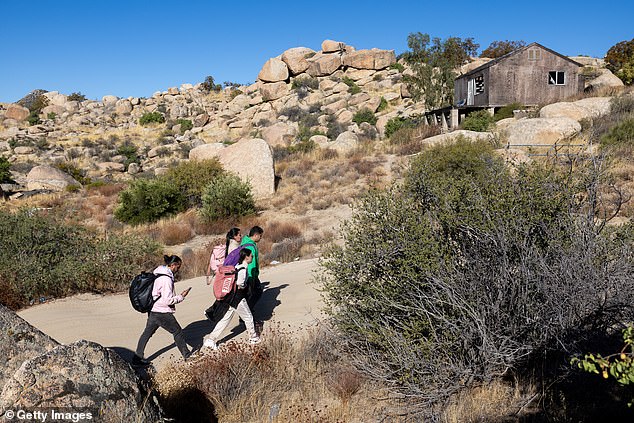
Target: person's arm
{"points": [[241, 277], [164, 285]]}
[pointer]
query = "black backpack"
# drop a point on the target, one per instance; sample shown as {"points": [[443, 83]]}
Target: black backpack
{"points": [[141, 291]]}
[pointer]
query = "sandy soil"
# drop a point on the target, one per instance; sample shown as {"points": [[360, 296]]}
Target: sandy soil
{"points": [[290, 298]]}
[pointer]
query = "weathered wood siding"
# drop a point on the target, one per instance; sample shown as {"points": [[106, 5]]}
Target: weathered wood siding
{"points": [[518, 78]]}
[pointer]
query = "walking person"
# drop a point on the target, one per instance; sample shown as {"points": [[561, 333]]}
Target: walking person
{"points": [[237, 302], [162, 313], [254, 287], [220, 252]]}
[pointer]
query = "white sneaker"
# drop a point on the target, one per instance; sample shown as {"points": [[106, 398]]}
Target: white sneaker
{"points": [[210, 343], [254, 341]]}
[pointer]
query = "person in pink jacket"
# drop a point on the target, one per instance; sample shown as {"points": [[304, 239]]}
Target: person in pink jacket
{"points": [[162, 313]]}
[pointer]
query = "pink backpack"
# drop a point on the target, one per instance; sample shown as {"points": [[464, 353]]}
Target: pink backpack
{"points": [[217, 257], [224, 282]]}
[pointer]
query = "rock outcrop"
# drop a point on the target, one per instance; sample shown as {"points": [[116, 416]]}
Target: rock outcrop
{"points": [[83, 376], [541, 130], [586, 108], [19, 341], [49, 178]]}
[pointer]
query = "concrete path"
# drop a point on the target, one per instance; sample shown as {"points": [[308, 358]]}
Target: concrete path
{"points": [[290, 298]]}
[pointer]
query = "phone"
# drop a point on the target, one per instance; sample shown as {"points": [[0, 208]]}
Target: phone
{"points": [[187, 290]]}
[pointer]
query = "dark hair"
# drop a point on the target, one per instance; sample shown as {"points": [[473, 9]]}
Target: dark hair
{"points": [[244, 253], [256, 230], [230, 235], [172, 259]]}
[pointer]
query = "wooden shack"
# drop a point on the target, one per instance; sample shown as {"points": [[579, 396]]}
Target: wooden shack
{"points": [[530, 75]]}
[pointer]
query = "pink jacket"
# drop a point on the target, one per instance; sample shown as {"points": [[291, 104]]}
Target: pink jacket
{"points": [[164, 287]]}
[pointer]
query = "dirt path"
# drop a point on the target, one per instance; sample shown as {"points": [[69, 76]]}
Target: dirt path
{"points": [[289, 298]]}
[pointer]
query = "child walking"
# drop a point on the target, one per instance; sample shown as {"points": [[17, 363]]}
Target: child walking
{"points": [[238, 303]]}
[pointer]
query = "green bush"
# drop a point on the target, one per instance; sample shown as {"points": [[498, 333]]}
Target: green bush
{"points": [[78, 96], [192, 177], [305, 83], [227, 196], [5, 171], [130, 151], [397, 123], [382, 105], [209, 85], [353, 88], [151, 117], [364, 115], [185, 124], [33, 118], [479, 121], [506, 112], [399, 67], [51, 116], [57, 259], [620, 135], [73, 170], [147, 201], [460, 273]]}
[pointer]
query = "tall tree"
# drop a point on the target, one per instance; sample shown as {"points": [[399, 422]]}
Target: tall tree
{"points": [[620, 60], [500, 48], [434, 63]]}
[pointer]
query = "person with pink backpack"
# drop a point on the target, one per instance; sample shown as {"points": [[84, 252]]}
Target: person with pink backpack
{"points": [[220, 252]]}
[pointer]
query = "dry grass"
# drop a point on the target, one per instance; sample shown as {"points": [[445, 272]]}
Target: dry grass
{"points": [[491, 402], [284, 379], [195, 262]]}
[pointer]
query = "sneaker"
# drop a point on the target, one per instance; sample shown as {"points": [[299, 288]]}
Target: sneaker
{"points": [[138, 361], [210, 343], [254, 341]]}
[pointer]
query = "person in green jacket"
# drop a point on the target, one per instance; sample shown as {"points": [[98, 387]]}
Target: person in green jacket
{"points": [[254, 291]]}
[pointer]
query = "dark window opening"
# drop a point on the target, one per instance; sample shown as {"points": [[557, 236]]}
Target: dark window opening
{"points": [[556, 78], [479, 84]]}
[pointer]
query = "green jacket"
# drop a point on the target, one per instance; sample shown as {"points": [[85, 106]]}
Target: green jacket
{"points": [[254, 268]]}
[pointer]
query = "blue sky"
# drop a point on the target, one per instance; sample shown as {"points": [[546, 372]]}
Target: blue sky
{"points": [[134, 48]]}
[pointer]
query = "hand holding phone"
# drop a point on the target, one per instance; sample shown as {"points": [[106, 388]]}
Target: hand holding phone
{"points": [[185, 292]]}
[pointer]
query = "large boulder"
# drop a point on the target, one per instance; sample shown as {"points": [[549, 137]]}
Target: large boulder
{"points": [[206, 151], [252, 161], [83, 376], [49, 178], [605, 80], [331, 46], [541, 131], [324, 64], [123, 107], [450, 137], [591, 107], [19, 341], [273, 90], [346, 141], [295, 59], [279, 134], [274, 70], [17, 112], [370, 59]]}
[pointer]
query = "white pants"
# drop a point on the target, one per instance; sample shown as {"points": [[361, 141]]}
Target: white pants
{"points": [[244, 312]]}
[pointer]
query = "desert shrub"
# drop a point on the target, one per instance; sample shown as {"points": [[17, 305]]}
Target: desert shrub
{"points": [[399, 67], [397, 123], [151, 117], [305, 83], [33, 118], [5, 171], [479, 121], [334, 127], [78, 96], [622, 104], [58, 259], [130, 151], [506, 112], [51, 116], [73, 170], [227, 196], [192, 177], [185, 124], [353, 88], [382, 105], [620, 60], [620, 135], [364, 115], [147, 201], [485, 254]]}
